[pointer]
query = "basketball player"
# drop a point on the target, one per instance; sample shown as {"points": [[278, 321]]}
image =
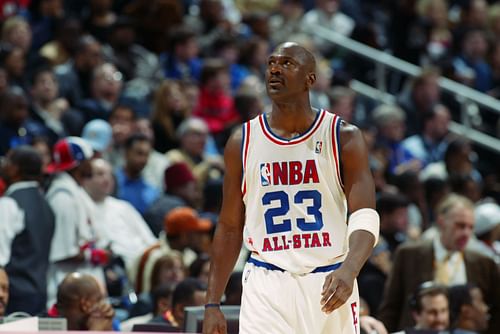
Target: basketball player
{"points": [[292, 177]]}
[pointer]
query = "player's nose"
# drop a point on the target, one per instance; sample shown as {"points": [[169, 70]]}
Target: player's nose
{"points": [[275, 69]]}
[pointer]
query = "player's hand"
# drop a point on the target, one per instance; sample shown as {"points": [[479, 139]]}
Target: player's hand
{"points": [[214, 321], [337, 289]]}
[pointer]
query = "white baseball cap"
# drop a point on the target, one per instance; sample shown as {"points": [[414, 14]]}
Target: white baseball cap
{"points": [[487, 217]]}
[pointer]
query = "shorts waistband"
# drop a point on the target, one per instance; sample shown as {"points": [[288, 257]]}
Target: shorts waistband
{"points": [[269, 266]]}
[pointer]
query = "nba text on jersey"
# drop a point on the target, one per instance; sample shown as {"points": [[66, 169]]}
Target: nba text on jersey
{"points": [[292, 173], [288, 172]]}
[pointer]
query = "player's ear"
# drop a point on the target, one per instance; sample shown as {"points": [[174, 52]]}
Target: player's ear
{"points": [[311, 79]]}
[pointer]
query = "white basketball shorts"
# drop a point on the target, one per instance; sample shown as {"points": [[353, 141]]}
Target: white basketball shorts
{"points": [[278, 302]]}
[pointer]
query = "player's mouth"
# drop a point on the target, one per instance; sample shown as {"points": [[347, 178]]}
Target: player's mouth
{"points": [[275, 82]]}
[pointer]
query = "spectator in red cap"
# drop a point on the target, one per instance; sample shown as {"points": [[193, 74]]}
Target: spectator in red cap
{"points": [[181, 189], [76, 245]]}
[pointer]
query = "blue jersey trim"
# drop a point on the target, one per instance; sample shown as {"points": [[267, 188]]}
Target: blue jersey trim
{"points": [[269, 266], [311, 127], [337, 139], [243, 152]]}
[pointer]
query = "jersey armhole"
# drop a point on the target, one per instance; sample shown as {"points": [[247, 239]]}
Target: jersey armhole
{"points": [[337, 148], [244, 154]]}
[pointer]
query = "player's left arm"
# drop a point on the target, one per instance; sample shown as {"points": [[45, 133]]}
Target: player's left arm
{"points": [[363, 221]]}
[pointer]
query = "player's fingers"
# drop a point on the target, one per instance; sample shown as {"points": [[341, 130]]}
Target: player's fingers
{"points": [[222, 329], [329, 292], [338, 299], [326, 284], [380, 328]]}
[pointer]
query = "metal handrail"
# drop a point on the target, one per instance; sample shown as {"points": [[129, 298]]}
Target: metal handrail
{"points": [[484, 140], [466, 96], [380, 57]]}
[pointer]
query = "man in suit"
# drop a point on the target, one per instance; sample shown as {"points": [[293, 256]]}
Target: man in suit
{"points": [[27, 226], [444, 260]]}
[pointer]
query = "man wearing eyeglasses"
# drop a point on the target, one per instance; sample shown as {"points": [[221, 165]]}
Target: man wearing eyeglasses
{"points": [[444, 260], [429, 308]]}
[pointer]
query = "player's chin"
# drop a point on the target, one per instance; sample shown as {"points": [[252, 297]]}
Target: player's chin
{"points": [[278, 95]]}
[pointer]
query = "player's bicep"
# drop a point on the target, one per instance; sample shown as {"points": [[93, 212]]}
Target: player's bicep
{"points": [[232, 212], [358, 182]]}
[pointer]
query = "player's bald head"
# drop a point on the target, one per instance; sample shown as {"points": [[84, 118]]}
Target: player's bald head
{"points": [[299, 52]]}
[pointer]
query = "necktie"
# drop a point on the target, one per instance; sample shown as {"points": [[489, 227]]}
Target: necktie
{"points": [[441, 274]]}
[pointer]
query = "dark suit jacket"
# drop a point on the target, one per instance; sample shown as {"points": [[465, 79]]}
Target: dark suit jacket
{"points": [[414, 264]]}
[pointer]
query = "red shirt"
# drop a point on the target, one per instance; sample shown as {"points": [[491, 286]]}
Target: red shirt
{"points": [[216, 109]]}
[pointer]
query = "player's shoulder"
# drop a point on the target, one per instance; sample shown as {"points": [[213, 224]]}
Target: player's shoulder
{"points": [[348, 129], [351, 137], [241, 132], [236, 136], [234, 143]]}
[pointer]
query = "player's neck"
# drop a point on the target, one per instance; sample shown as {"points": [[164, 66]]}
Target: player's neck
{"points": [[291, 119]]}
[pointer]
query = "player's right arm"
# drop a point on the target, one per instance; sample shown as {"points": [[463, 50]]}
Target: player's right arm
{"points": [[228, 235]]}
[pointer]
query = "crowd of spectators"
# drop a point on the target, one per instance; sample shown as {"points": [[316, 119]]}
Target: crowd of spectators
{"points": [[113, 119]]}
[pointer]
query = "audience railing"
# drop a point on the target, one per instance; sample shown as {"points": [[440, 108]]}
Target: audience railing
{"points": [[470, 100]]}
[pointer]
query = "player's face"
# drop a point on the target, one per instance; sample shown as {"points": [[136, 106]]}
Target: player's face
{"points": [[434, 314], [286, 73], [457, 228]]}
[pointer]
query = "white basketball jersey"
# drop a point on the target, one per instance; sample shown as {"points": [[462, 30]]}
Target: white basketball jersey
{"points": [[295, 204]]}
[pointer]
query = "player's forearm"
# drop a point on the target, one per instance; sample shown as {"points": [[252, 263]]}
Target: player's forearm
{"points": [[225, 250], [360, 247]]}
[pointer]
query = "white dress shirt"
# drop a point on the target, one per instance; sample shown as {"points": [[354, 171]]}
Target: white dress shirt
{"points": [[123, 228], [11, 219]]}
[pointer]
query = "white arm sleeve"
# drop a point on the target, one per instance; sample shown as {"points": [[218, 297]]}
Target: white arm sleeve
{"points": [[364, 219]]}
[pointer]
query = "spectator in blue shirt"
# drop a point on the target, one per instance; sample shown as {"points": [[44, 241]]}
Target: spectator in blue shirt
{"points": [[471, 67], [181, 61], [430, 145], [131, 186], [16, 127]]}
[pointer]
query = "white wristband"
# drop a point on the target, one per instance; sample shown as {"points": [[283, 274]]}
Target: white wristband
{"points": [[366, 220]]}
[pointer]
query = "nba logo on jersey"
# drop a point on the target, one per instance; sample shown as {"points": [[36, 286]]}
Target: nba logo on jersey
{"points": [[265, 174], [319, 146]]}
